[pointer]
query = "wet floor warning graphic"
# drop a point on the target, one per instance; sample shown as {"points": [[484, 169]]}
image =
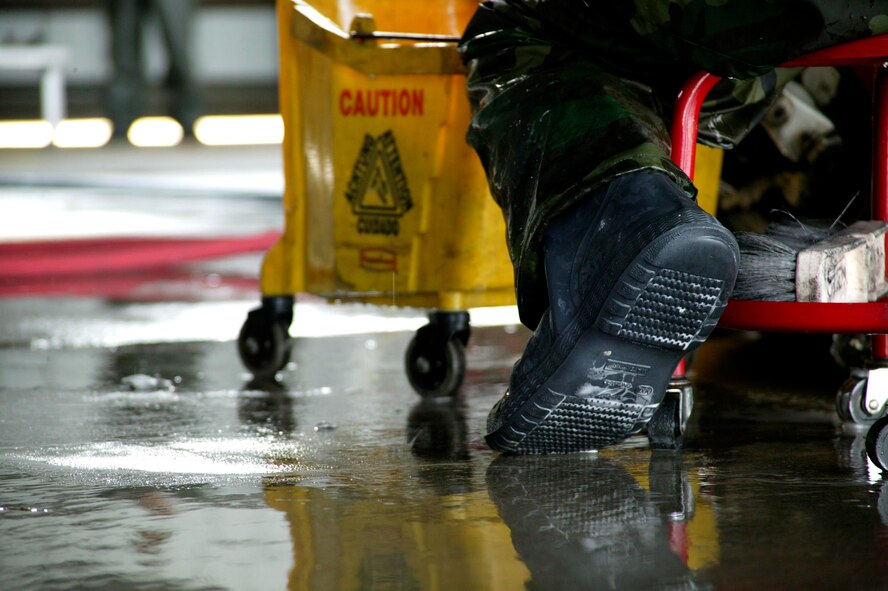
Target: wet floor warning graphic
{"points": [[378, 190]]}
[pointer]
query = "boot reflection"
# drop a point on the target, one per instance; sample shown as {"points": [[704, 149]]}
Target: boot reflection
{"points": [[584, 522]]}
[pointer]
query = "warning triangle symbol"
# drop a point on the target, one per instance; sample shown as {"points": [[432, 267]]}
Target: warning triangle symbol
{"points": [[379, 193], [378, 186]]}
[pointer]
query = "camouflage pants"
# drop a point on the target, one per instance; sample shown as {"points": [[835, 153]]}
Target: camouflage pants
{"points": [[569, 94]]}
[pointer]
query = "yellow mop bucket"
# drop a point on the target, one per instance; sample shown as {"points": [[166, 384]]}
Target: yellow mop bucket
{"points": [[384, 197], [385, 202]]}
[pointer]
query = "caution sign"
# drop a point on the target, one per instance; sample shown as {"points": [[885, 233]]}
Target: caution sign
{"points": [[378, 190]]}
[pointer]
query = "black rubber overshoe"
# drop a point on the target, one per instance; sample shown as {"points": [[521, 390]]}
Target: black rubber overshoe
{"points": [[638, 277]]}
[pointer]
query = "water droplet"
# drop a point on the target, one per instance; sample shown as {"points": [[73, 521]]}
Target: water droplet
{"points": [[144, 383]]}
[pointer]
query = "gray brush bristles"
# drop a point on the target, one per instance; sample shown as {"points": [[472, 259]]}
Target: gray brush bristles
{"points": [[767, 269], [768, 261]]}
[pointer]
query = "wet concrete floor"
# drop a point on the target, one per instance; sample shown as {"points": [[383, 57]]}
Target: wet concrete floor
{"points": [[136, 453], [339, 477]]}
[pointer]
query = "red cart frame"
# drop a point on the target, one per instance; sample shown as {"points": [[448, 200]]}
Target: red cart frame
{"points": [[871, 318]]}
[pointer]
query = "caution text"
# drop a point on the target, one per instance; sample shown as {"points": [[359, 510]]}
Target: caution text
{"points": [[382, 102]]}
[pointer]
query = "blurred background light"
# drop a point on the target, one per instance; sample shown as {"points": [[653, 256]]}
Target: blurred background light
{"points": [[155, 132], [82, 133], [239, 130], [35, 133]]}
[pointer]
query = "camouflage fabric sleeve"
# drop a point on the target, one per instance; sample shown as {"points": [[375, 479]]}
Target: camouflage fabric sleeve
{"points": [[569, 94]]}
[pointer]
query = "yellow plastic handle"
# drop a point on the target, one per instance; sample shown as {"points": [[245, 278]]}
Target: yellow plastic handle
{"points": [[376, 53]]}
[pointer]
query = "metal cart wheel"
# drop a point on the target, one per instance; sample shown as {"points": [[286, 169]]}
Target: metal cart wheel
{"points": [[877, 443], [264, 343], [850, 403]]}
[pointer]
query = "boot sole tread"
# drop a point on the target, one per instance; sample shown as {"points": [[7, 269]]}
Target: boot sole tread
{"points": [[613, 377]]}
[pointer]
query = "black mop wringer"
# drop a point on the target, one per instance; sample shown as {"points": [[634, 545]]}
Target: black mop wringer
{"points": [[795, 261]]}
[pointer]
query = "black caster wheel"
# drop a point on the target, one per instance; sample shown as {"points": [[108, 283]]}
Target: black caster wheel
{"points": [[435, 360], [664, 428], [667, 427], [435, 369], [264, 344], [850, 402], [877, 443]]}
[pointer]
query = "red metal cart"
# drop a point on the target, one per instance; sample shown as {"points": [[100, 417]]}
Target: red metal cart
{"points": [[863, 399]]}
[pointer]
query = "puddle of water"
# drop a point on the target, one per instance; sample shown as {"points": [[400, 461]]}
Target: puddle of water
{"points": [[227, 484]]}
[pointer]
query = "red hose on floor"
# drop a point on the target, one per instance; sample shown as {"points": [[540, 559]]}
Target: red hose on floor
{"points": [[142, 268], [27, 260]]}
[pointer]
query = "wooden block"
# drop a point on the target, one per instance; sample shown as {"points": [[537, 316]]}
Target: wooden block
{"points": [[846, 267], [874, 232]]}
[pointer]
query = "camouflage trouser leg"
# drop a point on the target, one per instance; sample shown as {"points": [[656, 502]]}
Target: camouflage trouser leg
{"points": [[560, 109], [540, 141]]}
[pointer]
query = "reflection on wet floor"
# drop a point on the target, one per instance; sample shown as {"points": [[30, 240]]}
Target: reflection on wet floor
{"points": [[339, 477], [588, 522]]}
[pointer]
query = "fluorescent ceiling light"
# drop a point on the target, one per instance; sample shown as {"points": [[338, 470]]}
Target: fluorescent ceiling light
{"points": [[155, 132], [25, 134], [82, 133], [239, 130]]}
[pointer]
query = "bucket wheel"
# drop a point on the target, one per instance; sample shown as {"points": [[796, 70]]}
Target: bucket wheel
{"points": [[264, 342], [435, 360]]}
